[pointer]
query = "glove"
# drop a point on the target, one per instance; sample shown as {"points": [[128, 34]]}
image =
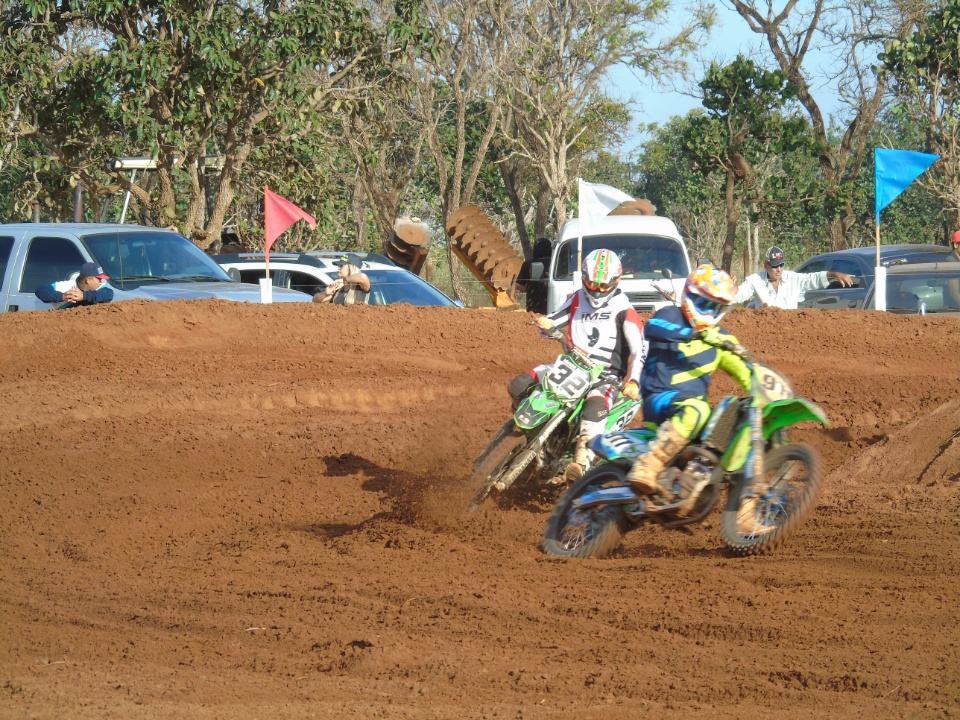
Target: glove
{"points": [[712, 336], [631, 389], [544, 322]]}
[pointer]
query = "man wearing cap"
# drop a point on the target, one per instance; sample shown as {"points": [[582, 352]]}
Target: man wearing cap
{"points": [[352, 287], [955, 245], [776, 287], [90, 288]]}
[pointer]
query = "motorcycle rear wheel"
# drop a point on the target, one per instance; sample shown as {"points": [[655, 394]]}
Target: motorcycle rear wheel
{"points": [[499, 457], [594, 532], [794, 473]]}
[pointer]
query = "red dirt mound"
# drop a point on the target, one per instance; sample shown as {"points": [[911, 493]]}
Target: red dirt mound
{"points": [[221, 510]]}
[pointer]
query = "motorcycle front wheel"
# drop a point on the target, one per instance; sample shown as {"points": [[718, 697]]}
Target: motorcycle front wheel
{"points": [[498, 458], [792, 474], [593, 532]]}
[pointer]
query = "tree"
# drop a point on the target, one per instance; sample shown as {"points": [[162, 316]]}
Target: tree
{"points": [[926, 72], [558, 54], [849, 29], [179, 82], [742, 128]]}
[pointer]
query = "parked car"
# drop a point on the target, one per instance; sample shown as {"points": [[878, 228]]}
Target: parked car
{"points": [[312, 272], [142, 262], [921, 288], [860, 263]]}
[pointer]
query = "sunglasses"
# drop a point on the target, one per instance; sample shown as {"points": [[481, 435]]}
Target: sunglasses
{"points": [[777, 266]]}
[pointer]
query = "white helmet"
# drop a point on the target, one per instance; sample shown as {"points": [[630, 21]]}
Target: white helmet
{"points": [[601, 274]]}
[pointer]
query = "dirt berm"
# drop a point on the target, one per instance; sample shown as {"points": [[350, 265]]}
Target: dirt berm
{"points": [[216, 510]]}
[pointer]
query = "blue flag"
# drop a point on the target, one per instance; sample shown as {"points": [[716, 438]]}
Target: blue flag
{"points": [[894, 170]]}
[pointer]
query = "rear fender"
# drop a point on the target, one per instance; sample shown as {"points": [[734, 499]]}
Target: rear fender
{"points": [[776, 416], [622, 414], [623, 446]]}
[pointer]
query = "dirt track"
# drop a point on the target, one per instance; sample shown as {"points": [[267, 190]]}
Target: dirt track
{"points": [[216, 510]]}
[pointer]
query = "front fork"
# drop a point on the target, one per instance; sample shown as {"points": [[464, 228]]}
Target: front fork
{"points": [[753, 468]]}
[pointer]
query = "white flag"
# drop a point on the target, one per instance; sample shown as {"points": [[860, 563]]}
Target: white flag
{"points": [[596, 201]]}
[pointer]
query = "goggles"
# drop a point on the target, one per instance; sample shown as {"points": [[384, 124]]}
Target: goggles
{"points": [[706, 306], [601, 288]]}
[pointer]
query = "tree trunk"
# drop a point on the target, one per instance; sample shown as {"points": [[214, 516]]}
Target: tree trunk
{"points": [[732, 205]]}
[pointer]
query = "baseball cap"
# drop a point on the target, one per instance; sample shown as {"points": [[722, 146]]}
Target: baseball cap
{"points": [[351, 259], [91, 269], [956, 238], [774, 256]]}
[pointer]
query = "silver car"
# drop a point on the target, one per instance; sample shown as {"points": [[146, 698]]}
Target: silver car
{"points": [[921, 289], [142, 262]]}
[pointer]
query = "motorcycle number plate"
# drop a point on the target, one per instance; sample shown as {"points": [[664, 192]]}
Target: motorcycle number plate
{"points": [[772, 385], [567, 379]]}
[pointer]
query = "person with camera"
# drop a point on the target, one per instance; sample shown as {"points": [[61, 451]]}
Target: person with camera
{"points": [[89, 288], [352, 287]]}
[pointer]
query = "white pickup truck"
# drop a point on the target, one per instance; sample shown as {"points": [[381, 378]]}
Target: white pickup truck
{"points": [[646, 245]]}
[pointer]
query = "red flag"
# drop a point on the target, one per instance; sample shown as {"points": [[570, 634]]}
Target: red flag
{"points": [[279, 214]]}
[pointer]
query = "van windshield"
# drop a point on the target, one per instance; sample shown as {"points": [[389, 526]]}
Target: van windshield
{"points": [[643, 256]]}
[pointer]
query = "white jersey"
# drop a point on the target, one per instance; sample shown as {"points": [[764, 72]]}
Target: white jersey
{"points": [[757, 290], [612, 334]]}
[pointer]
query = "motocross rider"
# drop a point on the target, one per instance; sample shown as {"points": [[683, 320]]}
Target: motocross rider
{"points": [[676, 377], [599, 320]]}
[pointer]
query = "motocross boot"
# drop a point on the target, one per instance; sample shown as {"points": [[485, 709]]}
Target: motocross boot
{"points": [[589, 429], [643, 474], [581, 457]]}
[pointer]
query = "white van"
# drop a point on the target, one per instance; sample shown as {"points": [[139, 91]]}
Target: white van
{"points": [[645, 244]]}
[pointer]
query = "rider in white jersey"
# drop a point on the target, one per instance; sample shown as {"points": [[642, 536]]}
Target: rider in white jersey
{"points": [[600, 321]]}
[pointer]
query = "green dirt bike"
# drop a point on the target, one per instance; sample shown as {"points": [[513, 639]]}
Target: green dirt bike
{"points": [[743, 446], [537, 443]]}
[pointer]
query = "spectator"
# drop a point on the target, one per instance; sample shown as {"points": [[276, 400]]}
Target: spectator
{"points": [[955, 245], [777, 287], [90, 288], [536, 288], [352, 287]]}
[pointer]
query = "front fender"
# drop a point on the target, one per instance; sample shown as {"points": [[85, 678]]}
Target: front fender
{"points": [[776, 416], [536, 409]]}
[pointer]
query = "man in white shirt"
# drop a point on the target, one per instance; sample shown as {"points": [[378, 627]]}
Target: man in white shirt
{"points": [[777, 287]]}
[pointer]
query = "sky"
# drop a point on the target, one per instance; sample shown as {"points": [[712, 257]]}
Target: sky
{"points": [[730, 36]]}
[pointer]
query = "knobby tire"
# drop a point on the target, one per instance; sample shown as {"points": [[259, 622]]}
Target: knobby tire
{"points": [[598, 531], [498, 458], [793, 500]]}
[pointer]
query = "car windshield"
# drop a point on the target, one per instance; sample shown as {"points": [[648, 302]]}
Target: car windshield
{"points": [[938, 292], [132, 259], [642, 256], [393, 286]]}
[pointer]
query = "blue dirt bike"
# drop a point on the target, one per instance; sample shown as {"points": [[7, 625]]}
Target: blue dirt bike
{"points": [[771, 483], [537, 443]]}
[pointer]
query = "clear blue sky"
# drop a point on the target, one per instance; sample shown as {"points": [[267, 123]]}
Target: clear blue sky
{"points": [[729, 37]]}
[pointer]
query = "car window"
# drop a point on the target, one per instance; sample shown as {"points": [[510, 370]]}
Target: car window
{"points": [[814, 266], [393, 286], [642, 256], [49, 260], [132, 259], [305, 282], [251, 276], [6, 245], [845, 265]]}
